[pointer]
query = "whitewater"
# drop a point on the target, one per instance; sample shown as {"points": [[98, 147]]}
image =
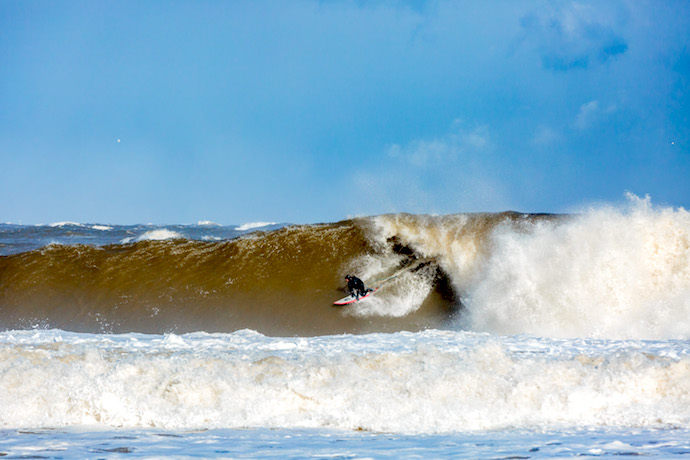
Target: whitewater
{"points": [[497, 335]]}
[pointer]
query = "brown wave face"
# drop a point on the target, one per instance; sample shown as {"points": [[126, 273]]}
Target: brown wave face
{"points": [[278, 283]]}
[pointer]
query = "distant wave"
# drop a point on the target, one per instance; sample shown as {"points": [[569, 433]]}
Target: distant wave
{"points": [[77, 224], [66, 224], [155, 235], [253, 225]]}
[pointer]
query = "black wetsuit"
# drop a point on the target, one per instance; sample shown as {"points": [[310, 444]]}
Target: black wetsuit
{"points": [[356, 286]]}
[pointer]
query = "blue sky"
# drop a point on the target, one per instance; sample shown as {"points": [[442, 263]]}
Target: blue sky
{"points": [[312, 111]]}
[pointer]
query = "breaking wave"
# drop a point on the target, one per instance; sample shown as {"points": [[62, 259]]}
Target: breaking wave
{"points": [[617, 272]]}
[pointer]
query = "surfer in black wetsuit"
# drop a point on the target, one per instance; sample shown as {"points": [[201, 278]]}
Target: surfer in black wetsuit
{"points": [[356, 286]]}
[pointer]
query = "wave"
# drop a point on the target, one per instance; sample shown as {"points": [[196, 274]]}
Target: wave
{"points": [[280, 283], [254, 225], [617, 272], [66, 224]]}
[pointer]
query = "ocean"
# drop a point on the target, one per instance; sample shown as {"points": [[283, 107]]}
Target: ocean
{"points": [[492, 335]]}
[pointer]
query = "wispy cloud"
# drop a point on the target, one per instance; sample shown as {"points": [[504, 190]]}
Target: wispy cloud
{"points": [[590, 113], [574, 35], [449, 172], [450, 147], [545, 136], [587, 114]]}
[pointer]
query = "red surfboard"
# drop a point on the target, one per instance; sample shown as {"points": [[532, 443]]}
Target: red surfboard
{"points": [[352, 299]]}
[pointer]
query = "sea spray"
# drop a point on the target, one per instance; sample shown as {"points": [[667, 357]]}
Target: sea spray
{"points": [[400, 295], [619, 273]]}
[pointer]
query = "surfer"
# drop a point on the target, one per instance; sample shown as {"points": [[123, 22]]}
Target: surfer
{"points": [[356, 286]]}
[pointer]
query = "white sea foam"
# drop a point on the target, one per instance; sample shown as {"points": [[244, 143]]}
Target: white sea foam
{"points": [[207, 223], [253, 225], [101, 227], [427, 382]]}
